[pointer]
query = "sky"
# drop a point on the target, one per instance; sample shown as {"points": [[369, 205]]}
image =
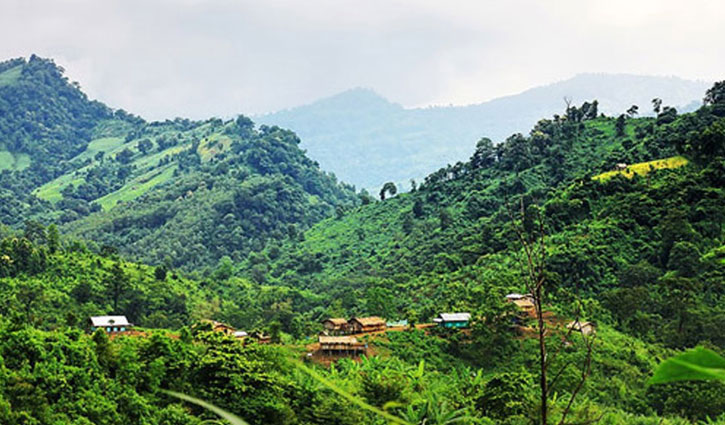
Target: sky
{"points": [[201, 58]]}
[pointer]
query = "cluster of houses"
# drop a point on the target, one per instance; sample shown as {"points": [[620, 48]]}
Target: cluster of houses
{"points": [[114, 325], [337, 337]]}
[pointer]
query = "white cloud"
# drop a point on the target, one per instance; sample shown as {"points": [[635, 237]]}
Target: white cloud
{"points": [[197, 58]]}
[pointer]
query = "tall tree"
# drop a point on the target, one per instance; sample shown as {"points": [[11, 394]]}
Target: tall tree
{"points": [[117, 283], [389, 188]]}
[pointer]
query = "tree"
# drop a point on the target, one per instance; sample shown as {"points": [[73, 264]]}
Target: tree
{"points": [[125, 156], [484, 155], [144, 146], [715, 94], [35, 232], [160, 273], [418, 208], [117, 283], [529, 228], [632, 111], [53, 239], [99, 156], [389, 188], [656, 105], [445, 218], [619, 125]]}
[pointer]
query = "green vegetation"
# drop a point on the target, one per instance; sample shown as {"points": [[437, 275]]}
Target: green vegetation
{"points": [[192, 192], [243, 228], [384, 141], [11, 75], [14, 162]]}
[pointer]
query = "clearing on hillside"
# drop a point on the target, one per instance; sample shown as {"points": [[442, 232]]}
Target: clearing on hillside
{"points": [[11, 75], [643, 168]]}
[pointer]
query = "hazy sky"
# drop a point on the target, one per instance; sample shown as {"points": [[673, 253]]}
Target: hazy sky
{"points": [[198, 58]]}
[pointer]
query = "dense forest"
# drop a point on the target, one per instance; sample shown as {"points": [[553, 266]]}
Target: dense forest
{"points": [[239, 226]]}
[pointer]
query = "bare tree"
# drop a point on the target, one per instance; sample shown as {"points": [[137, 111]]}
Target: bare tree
{"points": [[530, 232]]}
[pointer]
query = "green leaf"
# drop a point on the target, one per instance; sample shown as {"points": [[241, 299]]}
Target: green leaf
{"points": [[234, 420], [698, 364]]}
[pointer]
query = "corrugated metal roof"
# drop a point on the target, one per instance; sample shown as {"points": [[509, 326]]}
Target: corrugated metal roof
{"points": [[240, 334], [104, 321], [455, 317], [517, 296]]}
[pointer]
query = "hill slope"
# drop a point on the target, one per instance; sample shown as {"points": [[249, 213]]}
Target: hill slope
{"points": [[449, 244], [366, 140], [181, 192]]}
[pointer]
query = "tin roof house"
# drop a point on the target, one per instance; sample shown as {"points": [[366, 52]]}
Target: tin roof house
{"points": [[453, 320], [110, 324]]}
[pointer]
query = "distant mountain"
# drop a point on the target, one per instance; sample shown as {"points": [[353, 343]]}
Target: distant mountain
{"points": [[367, 140]]}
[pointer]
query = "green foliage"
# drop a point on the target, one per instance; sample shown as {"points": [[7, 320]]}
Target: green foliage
{"points": [[696, 364]]}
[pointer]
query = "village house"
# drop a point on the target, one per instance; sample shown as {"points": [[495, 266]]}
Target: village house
{"points": [[341, 345], [261, 337], [366, 324], [220, 327], [397, 323], [524, 303], [111, 324], [453, 320], [335, 325], [586, 328]]}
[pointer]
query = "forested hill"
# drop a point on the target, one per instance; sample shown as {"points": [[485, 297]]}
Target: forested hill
{"points": [[45, 120], [650, 243], [367, 140], [184, 193]]}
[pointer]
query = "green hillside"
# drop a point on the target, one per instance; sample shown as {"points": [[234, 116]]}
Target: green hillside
{"points": [[368, 140], [240, 226], [203, 189]]}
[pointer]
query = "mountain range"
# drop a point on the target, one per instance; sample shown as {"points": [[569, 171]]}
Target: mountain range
{"points": [[367, 140]]}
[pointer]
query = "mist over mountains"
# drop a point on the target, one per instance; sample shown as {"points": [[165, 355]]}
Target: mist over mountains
{"points": [[367, 140]]}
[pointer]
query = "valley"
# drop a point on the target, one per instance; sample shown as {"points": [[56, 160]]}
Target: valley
{"points": [[598, 237]]}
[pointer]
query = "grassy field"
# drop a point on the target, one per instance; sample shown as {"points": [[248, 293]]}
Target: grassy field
{"points": [[137, 187], [147, 172], [105, 144], [51, 190], [10, 161], [213, 145], [10, 76], [644, 167]]}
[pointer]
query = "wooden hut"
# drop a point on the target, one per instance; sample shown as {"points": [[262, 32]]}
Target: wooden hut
{"points": [[341, 345], [366, 324], [524, 303], [261, 337], [220, 327], [335, 325]]}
